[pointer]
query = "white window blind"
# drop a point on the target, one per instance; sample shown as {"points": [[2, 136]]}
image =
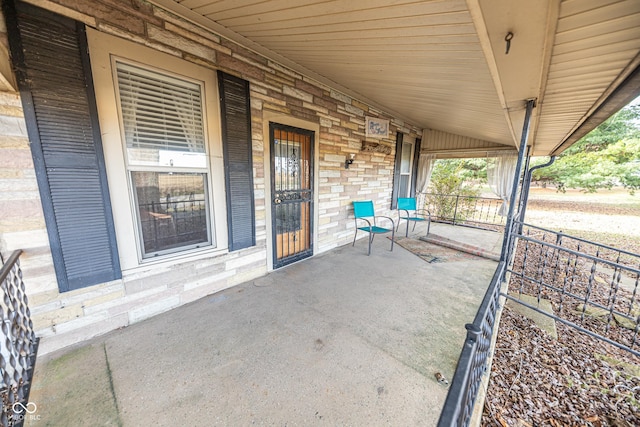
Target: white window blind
{"points": [[162, 118]]}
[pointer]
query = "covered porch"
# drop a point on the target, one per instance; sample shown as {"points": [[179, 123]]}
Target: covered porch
{"points": [[346, 100], [342, 338]]}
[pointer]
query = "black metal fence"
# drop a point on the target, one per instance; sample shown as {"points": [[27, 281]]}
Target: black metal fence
{"points": [[18, 345], [592, 287], [472, 363], [480, 212]]}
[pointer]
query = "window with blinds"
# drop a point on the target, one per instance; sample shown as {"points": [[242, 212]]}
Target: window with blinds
{"points": [[162, 118], [163, 126]]}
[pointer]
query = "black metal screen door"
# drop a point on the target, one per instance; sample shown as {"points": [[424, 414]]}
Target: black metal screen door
{"points": [[291, 193]]}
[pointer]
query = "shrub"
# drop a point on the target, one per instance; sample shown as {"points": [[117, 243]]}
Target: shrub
{"points": [[447, 182]]}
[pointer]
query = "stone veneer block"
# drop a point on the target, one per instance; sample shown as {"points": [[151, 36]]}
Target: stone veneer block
{"points": [[171, 39], [297, 93]]}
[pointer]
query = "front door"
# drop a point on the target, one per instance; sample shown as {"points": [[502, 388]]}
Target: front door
{"points": [[291, 193]]}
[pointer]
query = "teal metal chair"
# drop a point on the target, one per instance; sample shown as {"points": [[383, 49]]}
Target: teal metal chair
{"points": [[364, 212], [412, 214]]}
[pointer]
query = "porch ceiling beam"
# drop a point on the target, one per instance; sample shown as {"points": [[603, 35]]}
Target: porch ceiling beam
{"points": [[470, 152], [552, 26], [485, 42], [520, 74], [474, 150]]}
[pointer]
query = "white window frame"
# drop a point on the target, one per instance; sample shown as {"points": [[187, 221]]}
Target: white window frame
{"points": [[160, 166], [105, 50], [412, 146]]}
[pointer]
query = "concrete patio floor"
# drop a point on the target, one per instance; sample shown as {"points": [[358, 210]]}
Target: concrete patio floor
{"points": [[339, 339]]}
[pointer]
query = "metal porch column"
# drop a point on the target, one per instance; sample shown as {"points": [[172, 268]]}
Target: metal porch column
{"points": [[514, 189]]}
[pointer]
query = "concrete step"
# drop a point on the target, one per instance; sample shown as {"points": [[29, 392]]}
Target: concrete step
{"points": [[459, 246]]}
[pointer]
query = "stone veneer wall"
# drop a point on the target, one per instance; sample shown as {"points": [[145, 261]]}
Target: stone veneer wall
{"points": [[64, 319]]}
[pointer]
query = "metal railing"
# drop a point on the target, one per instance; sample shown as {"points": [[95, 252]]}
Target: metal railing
{"points": [[593, 288], [467, 379], [18, 344], [472, 363], [476, 352], [480, 212]]}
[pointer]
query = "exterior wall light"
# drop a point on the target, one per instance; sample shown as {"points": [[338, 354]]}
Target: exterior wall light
{"points": [[349, 161]]}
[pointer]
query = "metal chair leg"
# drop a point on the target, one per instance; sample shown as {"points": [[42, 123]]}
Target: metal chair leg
{"points": [[393, 237]]}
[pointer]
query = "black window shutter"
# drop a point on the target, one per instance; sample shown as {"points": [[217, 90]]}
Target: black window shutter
{"points": [[414, 170], [238, 160], [50, 55], [396, 171]]}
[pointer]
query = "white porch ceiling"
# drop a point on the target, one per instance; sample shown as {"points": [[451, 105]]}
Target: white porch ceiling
{"points": [[442, 64]]}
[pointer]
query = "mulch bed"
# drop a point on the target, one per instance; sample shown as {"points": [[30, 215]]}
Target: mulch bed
{"points": [[576, 380]]}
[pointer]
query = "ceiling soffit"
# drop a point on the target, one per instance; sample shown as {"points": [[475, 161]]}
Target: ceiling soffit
{"points": [[443, 64], [421, 61], [596, 50]]}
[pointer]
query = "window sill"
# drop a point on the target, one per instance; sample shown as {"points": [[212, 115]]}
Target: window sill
{"points": [[157, 264]]}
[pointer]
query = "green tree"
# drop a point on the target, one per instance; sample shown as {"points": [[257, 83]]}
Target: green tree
{"points": [[474, 168], [625, 155], [470, 169], [448, 180], [606, 157], [625, 124]]}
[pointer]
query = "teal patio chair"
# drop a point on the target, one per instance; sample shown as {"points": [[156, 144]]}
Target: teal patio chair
{"points": [[363, 211], [412, 214]]}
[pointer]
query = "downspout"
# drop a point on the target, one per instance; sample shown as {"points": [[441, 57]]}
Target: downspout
{"points": [[522, 185], [531, 103], [527, 184]]}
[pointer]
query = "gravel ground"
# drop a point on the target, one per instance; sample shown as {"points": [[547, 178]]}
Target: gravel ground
{"points": [[575, 380]]}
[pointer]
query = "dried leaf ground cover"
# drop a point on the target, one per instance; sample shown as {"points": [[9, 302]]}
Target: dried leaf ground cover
{"points": [[583, 290], [576, 380]]}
